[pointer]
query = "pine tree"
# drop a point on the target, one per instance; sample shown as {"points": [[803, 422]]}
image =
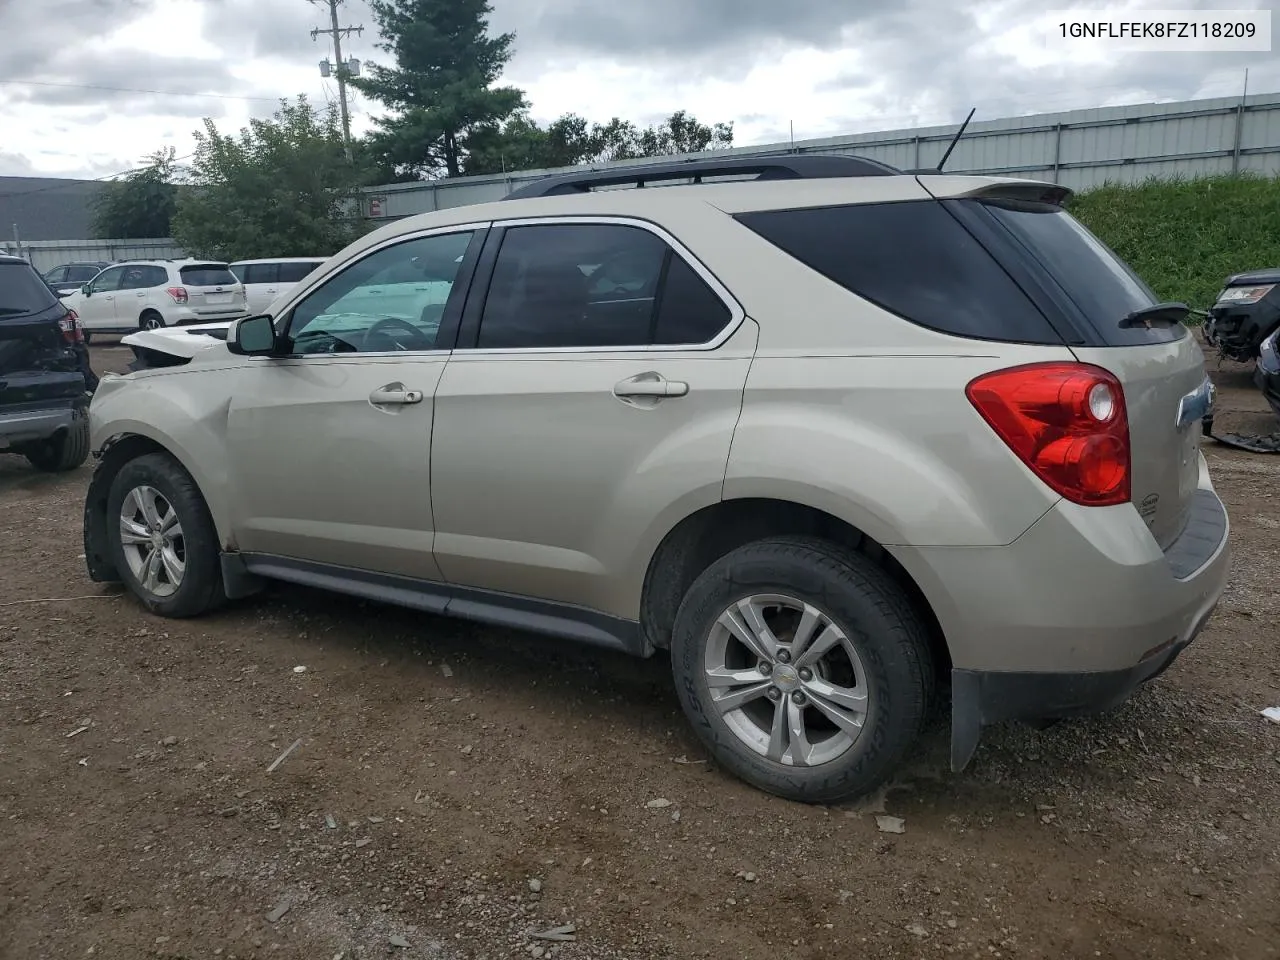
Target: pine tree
{"points": [[441, 87]]}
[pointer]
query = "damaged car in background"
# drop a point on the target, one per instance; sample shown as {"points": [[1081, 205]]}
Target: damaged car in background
{"points": [[1246, 312], [45, 377]]}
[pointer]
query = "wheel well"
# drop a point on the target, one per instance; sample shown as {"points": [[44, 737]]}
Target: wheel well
{"points": [[150, 312], [116, 453], [704, 537]]}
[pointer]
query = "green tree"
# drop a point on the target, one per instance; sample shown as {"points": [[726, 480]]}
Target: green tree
{"points": [[520, 144], [141, 204], [282, 187], [441, 87]]}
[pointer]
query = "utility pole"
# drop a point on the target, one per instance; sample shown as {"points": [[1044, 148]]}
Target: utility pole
{"points": [[341, 68]]}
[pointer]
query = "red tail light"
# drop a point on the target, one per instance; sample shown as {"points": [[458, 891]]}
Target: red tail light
{"points": [[1067, 422], [179, 294], [72, 330]]}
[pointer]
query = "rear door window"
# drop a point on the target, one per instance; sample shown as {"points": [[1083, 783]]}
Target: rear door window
{"points": [[914, 259], [23, 293], [207, 275], [1100, 285]]}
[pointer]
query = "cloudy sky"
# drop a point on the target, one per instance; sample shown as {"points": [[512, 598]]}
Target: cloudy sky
{"points": [[88, 87]]}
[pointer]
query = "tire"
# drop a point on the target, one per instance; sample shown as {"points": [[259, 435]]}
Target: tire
{"points": [[891, 666], [88, 337], [199, 587], [150, 320], [64, 452]]}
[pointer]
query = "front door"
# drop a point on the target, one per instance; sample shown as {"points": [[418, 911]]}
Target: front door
{"points": [[98, 310], [330, 446], [596, 397]]}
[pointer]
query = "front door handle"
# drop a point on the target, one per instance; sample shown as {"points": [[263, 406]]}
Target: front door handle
{"points": [[394, 394], [650, 384]]}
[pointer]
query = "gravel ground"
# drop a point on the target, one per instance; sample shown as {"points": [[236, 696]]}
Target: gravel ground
{"points": [[454, 791]]}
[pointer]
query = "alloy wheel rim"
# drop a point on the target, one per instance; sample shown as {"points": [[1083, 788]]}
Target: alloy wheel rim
{"points": [[786, 680], [154, 545]]}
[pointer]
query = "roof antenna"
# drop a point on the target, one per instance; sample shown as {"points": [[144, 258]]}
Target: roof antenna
{"points": [[955, 140]]}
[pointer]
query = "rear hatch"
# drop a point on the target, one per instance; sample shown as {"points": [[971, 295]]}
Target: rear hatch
{"points": [[36, 361], [1158, 362], [212, 289]]}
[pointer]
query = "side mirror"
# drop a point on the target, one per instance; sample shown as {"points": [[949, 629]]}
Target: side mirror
{"points": [[253, 337], [87, 289]]}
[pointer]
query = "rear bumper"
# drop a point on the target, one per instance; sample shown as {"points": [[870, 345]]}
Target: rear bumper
{"points": [[186, 318], [31, 422], [1074, 615]]}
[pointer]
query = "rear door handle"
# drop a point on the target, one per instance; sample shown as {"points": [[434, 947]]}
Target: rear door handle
{"points": [[650, 384], [394, 395]]}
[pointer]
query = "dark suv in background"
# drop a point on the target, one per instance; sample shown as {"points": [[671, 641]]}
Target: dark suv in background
{"points": [[45, 377], [69, 277]]}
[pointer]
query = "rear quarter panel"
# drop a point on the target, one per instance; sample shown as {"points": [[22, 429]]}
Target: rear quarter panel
{"points": [[888, 442]]}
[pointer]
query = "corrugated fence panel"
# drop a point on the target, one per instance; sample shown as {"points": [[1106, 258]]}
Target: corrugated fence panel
{"points": [[47, 254], [1079, 148]]}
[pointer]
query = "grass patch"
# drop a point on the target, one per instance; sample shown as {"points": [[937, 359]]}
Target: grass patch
{"points": [[1185, 236]]}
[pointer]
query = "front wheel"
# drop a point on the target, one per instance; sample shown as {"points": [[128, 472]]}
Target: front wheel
{"points": [[162, 538], [804, 668]]}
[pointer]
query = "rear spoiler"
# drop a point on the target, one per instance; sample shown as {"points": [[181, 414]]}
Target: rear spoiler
{"points": [[943, 187]]}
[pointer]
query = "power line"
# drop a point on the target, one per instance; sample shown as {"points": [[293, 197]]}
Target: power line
{"points": [[158, 93]]}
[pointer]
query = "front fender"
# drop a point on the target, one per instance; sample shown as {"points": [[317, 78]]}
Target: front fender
{"points": [[190, 424]]}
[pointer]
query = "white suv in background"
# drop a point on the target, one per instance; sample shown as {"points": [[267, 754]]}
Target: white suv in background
{"points": [[264, 280], [149, 294]]}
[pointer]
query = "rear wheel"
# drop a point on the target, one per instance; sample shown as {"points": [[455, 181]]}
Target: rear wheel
{"points": [[803, 667], [64, 452], [162, 538], [150, 320]]}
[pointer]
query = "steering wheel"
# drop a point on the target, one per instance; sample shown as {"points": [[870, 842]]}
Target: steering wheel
{"points": [[400, 333]]}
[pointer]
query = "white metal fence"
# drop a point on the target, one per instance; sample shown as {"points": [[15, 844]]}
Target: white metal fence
{"points": [[46, 254], [1079, 148]]}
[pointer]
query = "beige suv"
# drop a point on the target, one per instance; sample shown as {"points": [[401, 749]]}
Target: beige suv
{"points": [[829, 433]]}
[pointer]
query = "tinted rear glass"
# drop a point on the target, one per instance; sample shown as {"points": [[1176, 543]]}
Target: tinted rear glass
{"points": [[207, 275], [1101, 285], [914, 259], [23, 292]]}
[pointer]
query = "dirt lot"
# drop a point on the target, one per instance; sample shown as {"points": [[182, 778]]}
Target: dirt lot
{"points": [[456, 788]]}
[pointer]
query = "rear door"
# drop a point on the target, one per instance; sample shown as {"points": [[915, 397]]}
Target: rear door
{"points": [[212, 289], [594, 388], [1159, 365]]}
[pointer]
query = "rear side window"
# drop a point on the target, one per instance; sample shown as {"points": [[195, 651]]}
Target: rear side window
{"points": [[913, 259], [23, 292], [293, 272], [1100, 285], [690, 312], [207, 275], [595, 285]]}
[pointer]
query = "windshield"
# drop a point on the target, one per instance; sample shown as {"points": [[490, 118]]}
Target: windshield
{"points": [[1098, 282], [23, 292]]}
